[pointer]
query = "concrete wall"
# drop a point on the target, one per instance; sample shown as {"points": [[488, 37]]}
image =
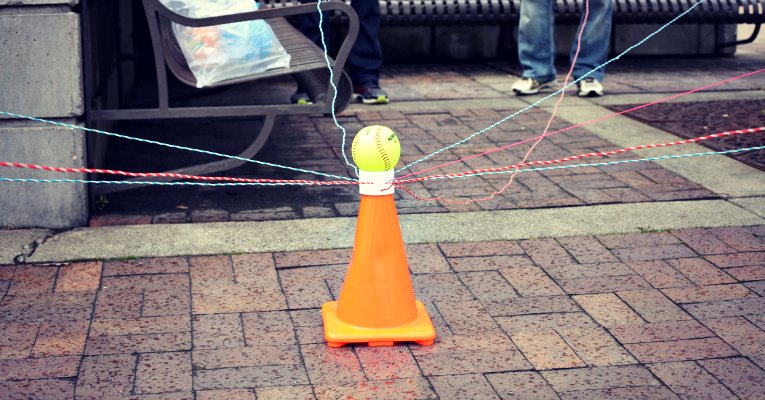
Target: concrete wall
{"points": [[41, 65], [50, 205]]}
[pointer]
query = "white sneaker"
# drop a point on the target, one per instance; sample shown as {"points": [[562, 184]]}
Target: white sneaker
{"points": [[590, 87], [530, 86]]}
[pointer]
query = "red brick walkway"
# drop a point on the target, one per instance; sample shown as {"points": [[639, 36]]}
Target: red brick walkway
{"points": [[654, 315], [314, 142]]}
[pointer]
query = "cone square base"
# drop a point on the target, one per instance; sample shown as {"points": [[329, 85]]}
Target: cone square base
{"points": [[339, 333]]}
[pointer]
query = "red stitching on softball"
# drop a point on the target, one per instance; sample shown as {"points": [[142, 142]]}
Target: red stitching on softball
{"points": [[381, 148]]}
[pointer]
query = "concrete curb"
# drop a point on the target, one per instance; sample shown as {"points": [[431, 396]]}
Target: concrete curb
{"points": [[140, 241], [19, 242]]}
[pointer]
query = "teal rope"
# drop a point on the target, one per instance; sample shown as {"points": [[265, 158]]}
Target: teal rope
{"points": [[334, 92], [494, 125], [600, 164], [81, 128]]}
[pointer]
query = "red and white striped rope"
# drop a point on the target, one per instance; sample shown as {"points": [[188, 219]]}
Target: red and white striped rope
{"points": [[586, 155], [398, 183], [173, 175]]}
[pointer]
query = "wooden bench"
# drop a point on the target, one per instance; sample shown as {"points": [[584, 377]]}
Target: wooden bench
{"points": [[307, 66]]}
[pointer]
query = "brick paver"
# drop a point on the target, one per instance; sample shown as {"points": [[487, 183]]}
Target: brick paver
{"points": [[78, 277], [703, 241], [660, 274], [409, 388], [698, 294], [640, 392], [681, 350], [297, 392], [32, 279], [608, 310], [230, 394], [744, 336], [521, 385], [568, 380], [689, 380], [550, 318], [166, 265], [471, 354], [596, 347], [53, 389], [469, 386], [739, 375], [107, 376], [660, 331], [546, 350], [653, 306], [216, 331], [60, 339], [163, 373]]}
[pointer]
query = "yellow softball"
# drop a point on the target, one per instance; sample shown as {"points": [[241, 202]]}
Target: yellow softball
{"points": [[375, 149]]}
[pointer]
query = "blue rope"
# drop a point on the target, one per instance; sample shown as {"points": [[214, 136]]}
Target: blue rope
{"points": [[81, 128], [494, 125], [334, 92], [600, 164]]}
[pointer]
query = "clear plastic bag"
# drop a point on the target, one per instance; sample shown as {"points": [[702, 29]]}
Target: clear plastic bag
{"points": [[222, 52]]}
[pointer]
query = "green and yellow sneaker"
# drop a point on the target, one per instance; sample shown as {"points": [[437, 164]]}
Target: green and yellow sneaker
{"points": [[370, 93], [300, 97]]}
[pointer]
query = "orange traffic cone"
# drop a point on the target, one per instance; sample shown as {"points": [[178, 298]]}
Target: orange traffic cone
{"points": [[376, 304]]}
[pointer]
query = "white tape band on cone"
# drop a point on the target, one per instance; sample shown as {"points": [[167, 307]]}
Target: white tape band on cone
{"points": [[376, 183]]}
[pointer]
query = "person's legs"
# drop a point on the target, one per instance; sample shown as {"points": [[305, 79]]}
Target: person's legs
{"points": [[366, 56], [536, 44], [308, 24], [595, 38]]}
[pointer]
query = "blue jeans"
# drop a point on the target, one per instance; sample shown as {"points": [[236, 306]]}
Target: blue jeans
{"points": [[366, 55], [536, 44]]}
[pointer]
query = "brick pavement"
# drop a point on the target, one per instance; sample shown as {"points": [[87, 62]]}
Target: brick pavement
{"points": [[421, 133], [313, 142], [678, 314]]}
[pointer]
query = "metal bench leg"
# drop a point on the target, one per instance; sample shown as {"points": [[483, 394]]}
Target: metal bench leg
{"points": [[316, 84], [748, 40], [206, 168]]}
